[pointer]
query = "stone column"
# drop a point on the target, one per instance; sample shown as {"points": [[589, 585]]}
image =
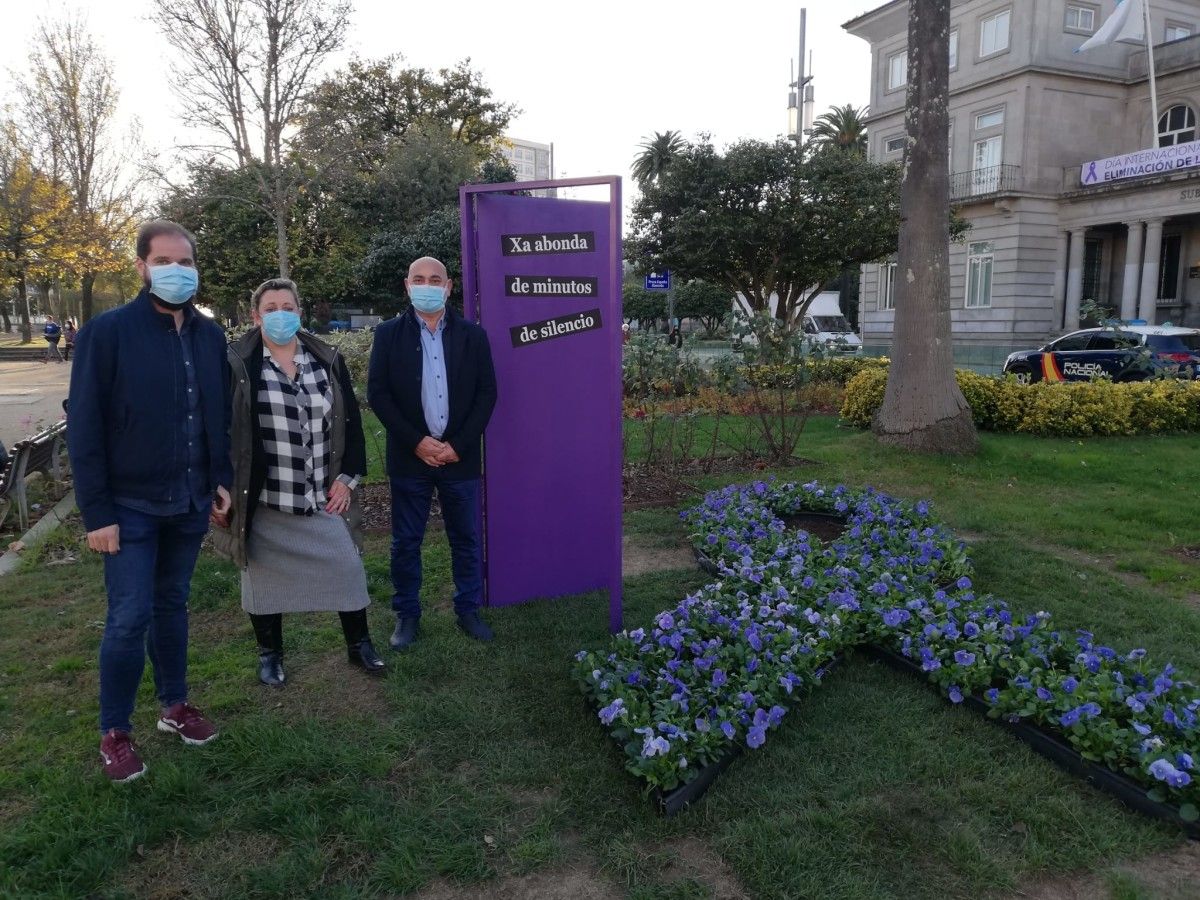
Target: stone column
{"points": [[1075, 278], [1060, 280], [1150, 261], [1133, 270]]}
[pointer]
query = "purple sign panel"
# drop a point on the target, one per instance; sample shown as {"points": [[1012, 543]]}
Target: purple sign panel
{"points": [[542, 276]]}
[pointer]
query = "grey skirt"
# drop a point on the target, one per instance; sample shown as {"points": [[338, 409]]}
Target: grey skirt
{"points": [[301, 564]]}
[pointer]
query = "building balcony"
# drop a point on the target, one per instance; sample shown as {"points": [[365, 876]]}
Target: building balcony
{"points": [[984, 184], [1173, 57]]}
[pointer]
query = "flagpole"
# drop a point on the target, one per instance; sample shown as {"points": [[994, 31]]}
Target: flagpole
{"points": [[1153, 86]]}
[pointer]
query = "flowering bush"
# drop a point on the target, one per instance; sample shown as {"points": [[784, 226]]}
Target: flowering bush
{"points": [[721, 669], [1049, 409]]}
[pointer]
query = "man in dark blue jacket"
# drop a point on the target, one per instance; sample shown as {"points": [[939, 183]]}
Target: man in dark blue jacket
{"points": [[52, 332], [432, 385], [149, 447]]}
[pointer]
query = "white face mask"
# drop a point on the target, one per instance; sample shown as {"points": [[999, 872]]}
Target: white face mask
{"points": [[174, 284], [427, 298]]}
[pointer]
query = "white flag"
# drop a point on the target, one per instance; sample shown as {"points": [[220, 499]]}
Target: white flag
{"points": [[1126, 24]]}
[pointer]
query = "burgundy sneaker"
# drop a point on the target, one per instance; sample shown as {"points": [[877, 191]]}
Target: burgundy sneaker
{"points": [[186, 721], [120, 757]]}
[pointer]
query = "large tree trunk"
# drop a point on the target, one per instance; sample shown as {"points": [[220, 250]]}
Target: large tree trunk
{"points": [[281, 245], [87, 285], [23, 303], [923, 409]]}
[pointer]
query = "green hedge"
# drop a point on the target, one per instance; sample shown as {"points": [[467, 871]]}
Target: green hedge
{"points": [[828, 370], [1072, 409]]}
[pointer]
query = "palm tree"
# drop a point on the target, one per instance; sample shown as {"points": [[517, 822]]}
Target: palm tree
{"points": [[656, 154], [843, 128]]}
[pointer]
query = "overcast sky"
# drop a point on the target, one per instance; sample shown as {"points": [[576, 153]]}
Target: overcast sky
{"points": [[594, 79]]}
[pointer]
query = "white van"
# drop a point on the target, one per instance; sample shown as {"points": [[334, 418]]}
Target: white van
{"points": [[825, 323]]}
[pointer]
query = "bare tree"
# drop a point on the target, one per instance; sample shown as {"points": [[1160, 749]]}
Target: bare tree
{"points": [[70, 103], [246, 66], [923, 409]]}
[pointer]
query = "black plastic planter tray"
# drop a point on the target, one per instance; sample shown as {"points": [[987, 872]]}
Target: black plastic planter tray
{"points": [[710, 566], [671, 803], [675, 801], [1062, 754], [705, 563], [795, 521]]}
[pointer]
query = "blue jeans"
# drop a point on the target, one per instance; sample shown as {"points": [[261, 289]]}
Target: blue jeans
{"points": [[411, 497], [148, 583]]}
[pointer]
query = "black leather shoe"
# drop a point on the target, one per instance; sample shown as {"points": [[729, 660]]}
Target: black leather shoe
{"points": [[364, 656], [270, 667], [406, 632], [473, 625]]}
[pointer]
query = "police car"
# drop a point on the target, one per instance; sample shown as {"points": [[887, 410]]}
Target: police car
{"points": [[1121, 352]]}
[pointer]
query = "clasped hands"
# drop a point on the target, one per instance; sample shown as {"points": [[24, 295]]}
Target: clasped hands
{"points": [[435, 453]]}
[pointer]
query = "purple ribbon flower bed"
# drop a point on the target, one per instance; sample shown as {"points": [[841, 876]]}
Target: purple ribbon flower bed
{"points": [[720, 670]]}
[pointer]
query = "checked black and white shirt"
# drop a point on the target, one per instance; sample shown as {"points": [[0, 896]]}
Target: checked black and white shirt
{"points": [[294, 419]]}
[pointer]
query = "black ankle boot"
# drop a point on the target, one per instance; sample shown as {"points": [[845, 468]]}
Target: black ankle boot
{"points": [[359, 649], [270, 667], [268, 630]]}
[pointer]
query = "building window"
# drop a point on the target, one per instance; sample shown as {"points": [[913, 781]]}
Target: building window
{"points": [[985, 176], [1178, 32], [1176, 126], [887, 286], [1093, 268], [993, 33], [1081, 19], [897, 70], [895, 145], [993, 119], [954, 49], [979, 275]]}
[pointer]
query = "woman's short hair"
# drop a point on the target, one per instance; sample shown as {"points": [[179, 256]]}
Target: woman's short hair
{"points": [[274, 284]]}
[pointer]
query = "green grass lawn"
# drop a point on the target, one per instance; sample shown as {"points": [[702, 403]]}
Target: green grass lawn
{"points": [[12, 339], [474, 766]]}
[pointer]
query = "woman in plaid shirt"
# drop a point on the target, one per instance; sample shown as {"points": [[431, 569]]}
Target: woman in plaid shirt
{"points": [[298, 454]]}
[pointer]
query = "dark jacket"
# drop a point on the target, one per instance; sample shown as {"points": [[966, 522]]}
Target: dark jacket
{"points": [[394, 392], [127, 384], [348, 448]]}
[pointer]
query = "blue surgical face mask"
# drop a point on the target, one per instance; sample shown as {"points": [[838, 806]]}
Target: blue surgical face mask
{"points": [[281, 325], [427, 298], [174, 284]]}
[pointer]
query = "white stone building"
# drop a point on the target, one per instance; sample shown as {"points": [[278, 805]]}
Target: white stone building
{"points": [[1027, 116], [531, 161]]}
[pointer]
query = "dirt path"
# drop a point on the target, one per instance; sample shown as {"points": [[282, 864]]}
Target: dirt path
{"points": [[31, 395], [1174, 875], [678, 862], [641, 557]]}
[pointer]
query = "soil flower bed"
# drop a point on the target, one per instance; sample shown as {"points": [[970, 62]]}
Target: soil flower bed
{"points": [[720, 670]]}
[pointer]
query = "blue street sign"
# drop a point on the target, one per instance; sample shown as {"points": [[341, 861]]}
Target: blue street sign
{"points": [[659, 281]]}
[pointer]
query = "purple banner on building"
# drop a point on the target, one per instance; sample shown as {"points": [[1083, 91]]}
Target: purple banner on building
{"points": [[543, 277]]}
